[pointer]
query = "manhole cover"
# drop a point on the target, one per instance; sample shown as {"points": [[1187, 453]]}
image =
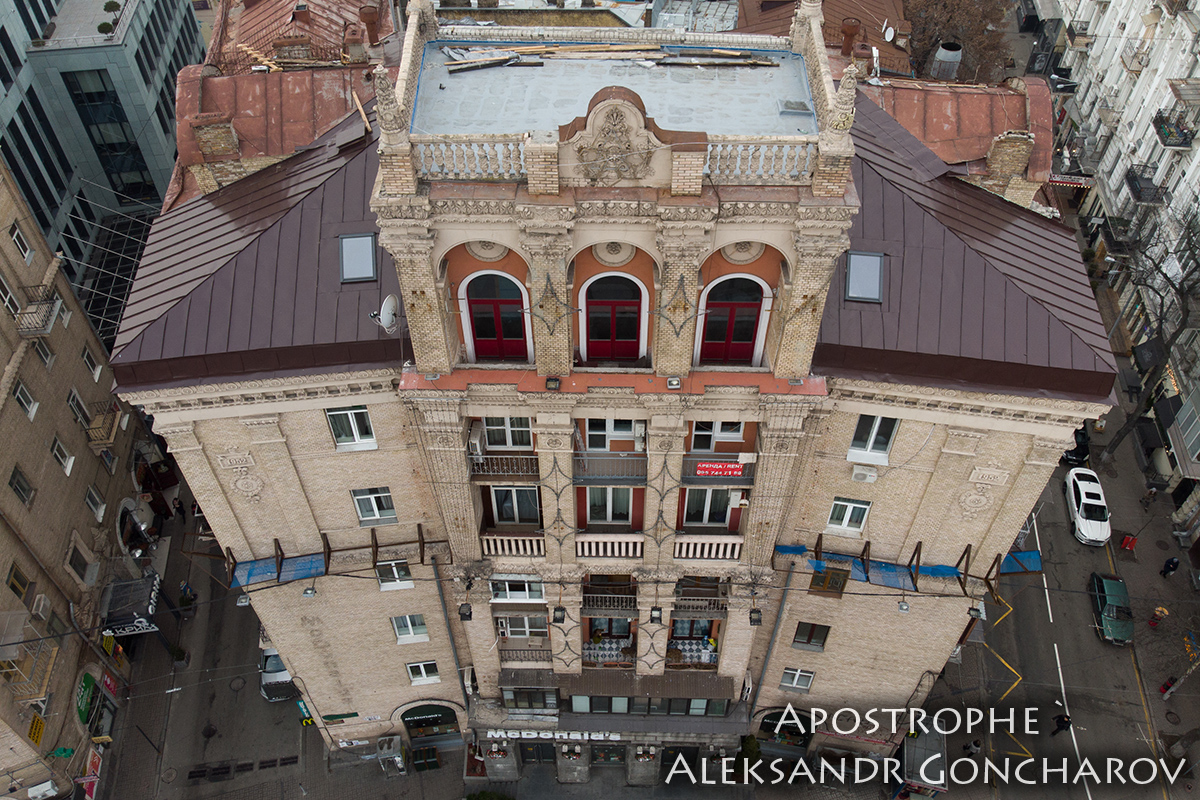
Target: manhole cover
{"points": [[237, 684], [209, 731], [1172, 718], [170, 775], [1110, 472], [1161, 544]]}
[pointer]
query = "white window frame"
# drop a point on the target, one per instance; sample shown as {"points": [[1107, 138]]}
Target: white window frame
{"points": [[44, 352], [14, 232], [385, 516], [764, 316], [717, 432], [95, 502], [390, 576], [610, 433], [25, 399], [342, 253], [516, 505], [90, 362], [62, 455], [17, 476], [708, 506], [797, 680], [845, 525], [502, 590], [643, 315], [867, 261], [79, 409], [419, 673], [361, 440], [507, 428], [109, 460], [63, 312], [608, 505], [524, 629], [464, 310], [8, 299], [410, 628], [872, 454]]}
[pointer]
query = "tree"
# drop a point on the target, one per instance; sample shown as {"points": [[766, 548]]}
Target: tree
{"points": [[977, 25], [1165, 269]]}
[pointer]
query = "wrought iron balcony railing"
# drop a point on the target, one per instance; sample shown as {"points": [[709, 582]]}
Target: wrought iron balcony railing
{"points": [[609, 469], [1140, 180], [1173, 130], [1077, 34]]}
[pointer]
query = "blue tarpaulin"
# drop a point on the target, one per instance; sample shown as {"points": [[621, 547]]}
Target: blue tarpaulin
{"points": [[1021, 561], [791, 549], [882, 573], [296, 568], [246, 573]]}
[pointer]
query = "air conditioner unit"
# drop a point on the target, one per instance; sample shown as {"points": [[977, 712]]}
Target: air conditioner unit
{"points": [[41, 606], [864, 474], [475, 442]]}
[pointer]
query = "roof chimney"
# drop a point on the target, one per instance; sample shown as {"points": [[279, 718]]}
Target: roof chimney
{"points": [[369, 15], [300, 13], [850, 28]]}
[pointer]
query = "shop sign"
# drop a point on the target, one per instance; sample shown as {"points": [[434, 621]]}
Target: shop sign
{"points": [[305, 716], [108, 643], [569, 736], [37, 727], [1077, 181], [93, 770], [713, 469], [84, 696], [136, 625], [109, 683]]}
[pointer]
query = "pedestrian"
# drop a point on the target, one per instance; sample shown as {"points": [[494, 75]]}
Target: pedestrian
{"points": [[180, 511], [1160, 614], [196, 512], [972, 748], [1149, 497], [1169, 566], [1062, 722]]}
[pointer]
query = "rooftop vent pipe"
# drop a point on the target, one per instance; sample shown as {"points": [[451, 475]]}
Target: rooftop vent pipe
{"points": [[945, 62], [850, 29]]}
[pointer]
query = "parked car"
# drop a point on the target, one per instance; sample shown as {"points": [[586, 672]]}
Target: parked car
{"points": [[275, 681], [1110, 607], [1078, 455], [1086, 507]]}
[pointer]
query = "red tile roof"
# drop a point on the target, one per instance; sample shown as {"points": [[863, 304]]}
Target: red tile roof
{"points": [[776, 20]]}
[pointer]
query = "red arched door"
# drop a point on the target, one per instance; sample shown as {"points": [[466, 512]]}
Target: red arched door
{"points": [[497, 319], [731, 322], [614, 308]]}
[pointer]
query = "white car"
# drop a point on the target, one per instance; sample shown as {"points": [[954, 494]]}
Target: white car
{"points": [[276, 682], [1086, 507]]}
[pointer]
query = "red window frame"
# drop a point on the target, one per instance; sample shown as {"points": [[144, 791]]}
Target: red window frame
{"points": [[612, 348], [717, 342], [497, 311]]}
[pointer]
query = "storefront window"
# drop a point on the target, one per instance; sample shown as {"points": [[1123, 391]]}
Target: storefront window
{"points": [[678, 706], [608, 754]]}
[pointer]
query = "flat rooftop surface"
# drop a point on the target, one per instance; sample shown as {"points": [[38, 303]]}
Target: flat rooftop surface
{"points": [[716, 100]]}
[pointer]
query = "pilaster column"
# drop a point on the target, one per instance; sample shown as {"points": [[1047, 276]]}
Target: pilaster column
{"points": [[775, 480], [550, 311], [433, 332], [299, 533], [566, 638], [737, 637], [555, 448], [683, 248], [481, 636], [818, 247], [664, 472], [443, 439], [835, 149], [652, 637]]}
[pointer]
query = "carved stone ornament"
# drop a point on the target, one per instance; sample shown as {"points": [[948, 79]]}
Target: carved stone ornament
{"points": [[387, 107], [233, 458], [614, 254], [612, 154], [250, 486], [551, 442], [486, 251], [743, 252], [975, 501]]}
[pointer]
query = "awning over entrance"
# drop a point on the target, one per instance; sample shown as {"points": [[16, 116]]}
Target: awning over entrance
{"points": [[128, 607]]}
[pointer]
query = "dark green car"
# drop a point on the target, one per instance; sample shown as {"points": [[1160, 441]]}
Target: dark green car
{"points": [[1110, 607]]}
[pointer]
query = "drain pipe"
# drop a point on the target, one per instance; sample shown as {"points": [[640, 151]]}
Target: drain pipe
{"points": [[771, 644], [437, 578]]}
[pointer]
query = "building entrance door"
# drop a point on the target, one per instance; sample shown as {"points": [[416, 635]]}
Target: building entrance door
{"points": [[537, 753]]}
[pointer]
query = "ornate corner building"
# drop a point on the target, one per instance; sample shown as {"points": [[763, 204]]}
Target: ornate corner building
{"points": [[704, 391]]}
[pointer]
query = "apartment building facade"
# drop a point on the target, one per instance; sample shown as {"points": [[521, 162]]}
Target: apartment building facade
{"points": [[639, 453], [68, 465]]}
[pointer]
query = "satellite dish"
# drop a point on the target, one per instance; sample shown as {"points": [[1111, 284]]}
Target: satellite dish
{"points": [[889, 34], [387, 317]]}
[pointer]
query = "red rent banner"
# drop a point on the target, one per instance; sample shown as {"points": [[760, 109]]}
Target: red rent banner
{"points": [[705, 469]]}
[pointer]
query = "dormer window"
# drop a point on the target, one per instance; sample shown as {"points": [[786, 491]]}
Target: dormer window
{"points": [[864, 277], [358, 257]]}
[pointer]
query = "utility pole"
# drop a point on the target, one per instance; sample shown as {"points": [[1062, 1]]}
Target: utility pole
{"points": [[1171, 689]]}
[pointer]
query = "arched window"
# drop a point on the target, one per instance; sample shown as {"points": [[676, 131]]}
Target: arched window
{"points": [[495, 308], [732, 320], [614, 319]]}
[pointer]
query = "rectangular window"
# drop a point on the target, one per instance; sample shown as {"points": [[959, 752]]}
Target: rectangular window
{"points": [[56, 627], [864, 277], [351, 427], [848, 515], [374, 505], [393, 575], [810, 637], [797, 680], [24, 399], [697, 708], [95, 502], [21, 486], [831, 582], [602, 431], [515, 505], [17, 581], [691, 628], [64, 313], [44, 352], [7, 298], [507, 433], [110, 461], [90, 362], [610, 628], [706, 434], [581, 703], [358, 257], [706, 507], [508, 589], [872, 439], [78, 410], [23, 247], [716, 708], [639, 705], [78, 563], [61, 455], [529, 698], [423, 672], [410, 628], [521, 627], [609, 505]]}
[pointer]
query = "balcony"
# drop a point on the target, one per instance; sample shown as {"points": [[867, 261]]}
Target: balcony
{"points": [[700, 607], [1173, 131], [37, 318], [1119, 236], [1077, 34], [526, 655], [505, 467], [1134, 57], [609, 469], [718, 469], [709, 546], [691, 654], [1140, 180], [526, 544], [609, 545], [610, 653], [106, 421], [601, 605], [27, 672]]}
